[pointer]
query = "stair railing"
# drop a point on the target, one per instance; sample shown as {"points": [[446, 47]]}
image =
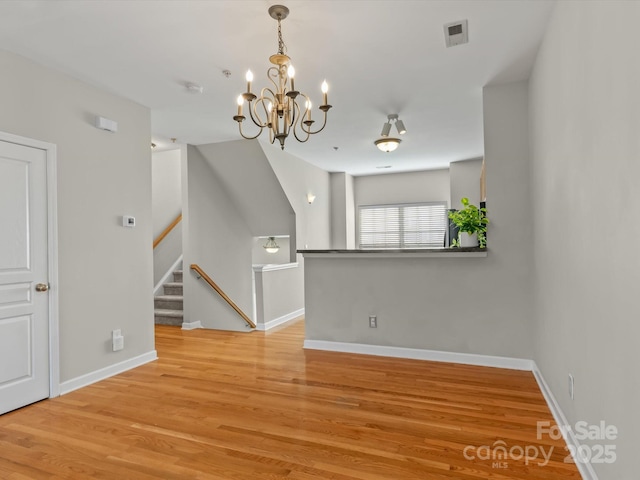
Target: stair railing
{"points": [[167, 231], [201, 274]]}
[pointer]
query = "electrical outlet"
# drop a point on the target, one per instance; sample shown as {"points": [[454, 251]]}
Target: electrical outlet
{"points": [[118, 344], [373, 321], [571, 386], [117, 340]]}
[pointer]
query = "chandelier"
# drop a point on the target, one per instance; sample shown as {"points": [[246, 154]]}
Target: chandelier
{"points": [[279, 108]]}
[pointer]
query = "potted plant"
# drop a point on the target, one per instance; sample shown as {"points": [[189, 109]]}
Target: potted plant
{"points": [[471, 221]]}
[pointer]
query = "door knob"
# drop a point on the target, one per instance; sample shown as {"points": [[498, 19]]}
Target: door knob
{"points": [[42, 287]]}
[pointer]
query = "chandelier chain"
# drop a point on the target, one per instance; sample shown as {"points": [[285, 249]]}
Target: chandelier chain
{"points": [[282, 49]]}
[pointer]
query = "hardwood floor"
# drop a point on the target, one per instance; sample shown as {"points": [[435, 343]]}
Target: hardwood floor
{"points": [[223, 405]]}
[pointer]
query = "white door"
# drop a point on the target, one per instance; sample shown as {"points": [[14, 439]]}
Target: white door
{"points": [[24, 302]]}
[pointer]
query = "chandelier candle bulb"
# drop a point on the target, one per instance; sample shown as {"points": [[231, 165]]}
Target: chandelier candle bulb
{"points": [[325, 89], [240, 101], [291, 73], [249, 78]]}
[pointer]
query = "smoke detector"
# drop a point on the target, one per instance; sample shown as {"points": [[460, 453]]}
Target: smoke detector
{"points": [[456, 33], [194, 88]]}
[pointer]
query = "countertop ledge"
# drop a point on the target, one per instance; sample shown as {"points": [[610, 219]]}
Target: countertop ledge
{"points": [[407, 253]]}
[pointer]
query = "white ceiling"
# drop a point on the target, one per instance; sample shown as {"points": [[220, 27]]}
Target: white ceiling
{"points": [[378, 56]]}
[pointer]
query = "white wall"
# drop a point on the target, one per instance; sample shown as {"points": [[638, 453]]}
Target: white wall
{"points": [[350, 210], [298, 178], [410, 187], [464, 179], [236, 191], [338, 210], [465, 305], [343, 221], [272, 306], [105, 270], [248, 179], [166, 189], [585, 145], [216, 237], [313, 225]]}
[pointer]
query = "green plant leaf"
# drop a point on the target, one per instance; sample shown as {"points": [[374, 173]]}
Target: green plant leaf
{"points": [[470, 219]]}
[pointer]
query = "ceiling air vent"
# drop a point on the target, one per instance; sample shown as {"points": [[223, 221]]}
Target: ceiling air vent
{"points": [[456, 33]]}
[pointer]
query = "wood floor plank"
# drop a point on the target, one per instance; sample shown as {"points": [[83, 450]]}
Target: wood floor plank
{"points": [[235, 406]]}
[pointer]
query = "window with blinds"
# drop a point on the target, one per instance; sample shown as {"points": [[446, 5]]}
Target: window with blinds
{"points": [[416, 225]]}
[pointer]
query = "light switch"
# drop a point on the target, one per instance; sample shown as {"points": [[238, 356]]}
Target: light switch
{"points": [[128, 221]]}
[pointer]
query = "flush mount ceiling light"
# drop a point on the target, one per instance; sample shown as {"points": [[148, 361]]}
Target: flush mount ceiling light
{"points": [[389, 144], [271, 246], [277, 108]]}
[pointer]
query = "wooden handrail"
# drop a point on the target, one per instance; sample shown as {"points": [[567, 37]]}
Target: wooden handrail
{"points": [[196, 268], [167, 231]]}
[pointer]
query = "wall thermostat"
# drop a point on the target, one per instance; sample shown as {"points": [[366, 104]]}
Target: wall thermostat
{"points": [[128, 221]]}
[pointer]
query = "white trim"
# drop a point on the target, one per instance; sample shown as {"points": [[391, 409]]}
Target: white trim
{"points": [[110, 371], [29, 142], [420, 354], [585, 469], [54, 326], [254, 298], [270, 267], [52, 251], [167, 274], [258, 296], [263, 327], [192, 325], [262, 237]]}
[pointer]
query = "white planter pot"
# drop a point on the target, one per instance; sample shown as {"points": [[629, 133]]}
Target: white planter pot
{"points": [[467, 240]]}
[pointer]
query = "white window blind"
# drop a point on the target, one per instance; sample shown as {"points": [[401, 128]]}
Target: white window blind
{"points": [[416, 225]]}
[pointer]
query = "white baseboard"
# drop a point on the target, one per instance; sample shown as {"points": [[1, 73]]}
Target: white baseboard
{"points": [[280, 320], [191, 325], [110, 371], [419, 354], [166, 276], [585, 469]]}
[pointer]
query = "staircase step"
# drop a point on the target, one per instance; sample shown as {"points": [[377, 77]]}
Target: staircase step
{"points": [[169, 302], [168, 317], [177, 276], [173, 288]]}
